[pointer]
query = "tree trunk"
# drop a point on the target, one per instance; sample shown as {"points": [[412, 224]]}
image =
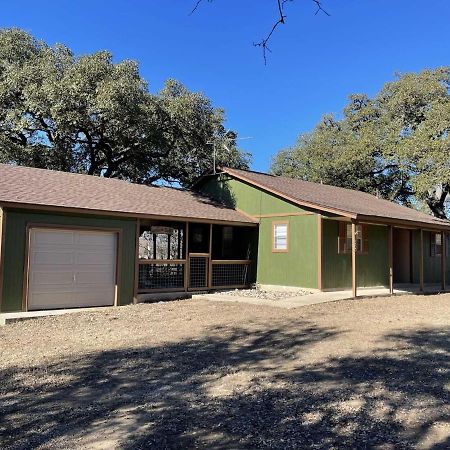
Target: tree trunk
{"points": [[436, 202]]}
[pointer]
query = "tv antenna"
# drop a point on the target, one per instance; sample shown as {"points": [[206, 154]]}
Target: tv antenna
{"points": [[224, 142]]}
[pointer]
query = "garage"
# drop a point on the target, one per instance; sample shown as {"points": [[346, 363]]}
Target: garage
{"points": [[69, 268]]}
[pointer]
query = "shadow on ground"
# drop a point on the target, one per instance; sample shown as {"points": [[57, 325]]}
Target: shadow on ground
{"points": [[235, 388]]}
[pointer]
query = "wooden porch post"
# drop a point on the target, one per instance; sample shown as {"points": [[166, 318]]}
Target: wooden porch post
{"points": [[210, 256], [391, 259], [443, 251], [421, 261], [354, 280], [186, 258], [319, 251], [136, 262]]}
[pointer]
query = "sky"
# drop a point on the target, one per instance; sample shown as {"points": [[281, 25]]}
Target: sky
{"points": [[316, 61]]}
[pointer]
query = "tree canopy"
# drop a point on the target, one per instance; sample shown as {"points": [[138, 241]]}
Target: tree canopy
{"points": [[395, 145], [91, 115]]}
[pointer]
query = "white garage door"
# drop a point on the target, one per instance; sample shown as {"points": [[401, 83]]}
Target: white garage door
{"points": [[71, 268]]}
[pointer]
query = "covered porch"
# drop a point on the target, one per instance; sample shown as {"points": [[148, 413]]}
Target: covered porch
{"points": [[175, 256], [389, 256]]}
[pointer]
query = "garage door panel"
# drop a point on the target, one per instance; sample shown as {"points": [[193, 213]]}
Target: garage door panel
{"points": [[56, 299], [50, 278], [70, 269], [89, 297], [53, 237], [96, 239], [52, 258], [93, 258], [96, 279]]}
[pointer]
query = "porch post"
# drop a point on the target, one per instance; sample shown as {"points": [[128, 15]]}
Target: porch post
{"points": [[186, 258], [210, 256], [391, 259], [136, 262], [421, 261], [319, 251], [443, 251], [354, 281]]}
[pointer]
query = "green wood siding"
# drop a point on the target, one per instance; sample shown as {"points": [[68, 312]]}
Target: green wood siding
{"points": [[246, 197], [16, 222], [297, 267], [372, 269], [431, 264]]}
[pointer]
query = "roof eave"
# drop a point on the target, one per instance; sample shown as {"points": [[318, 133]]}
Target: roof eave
{"points": [[401, 222], [101, 212]]}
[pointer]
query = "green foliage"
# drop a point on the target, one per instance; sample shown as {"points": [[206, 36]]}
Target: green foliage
{"points": [[88, 114], [395, 145]]}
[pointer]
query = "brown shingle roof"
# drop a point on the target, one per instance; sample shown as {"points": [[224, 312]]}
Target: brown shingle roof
{"points": [[342, 201], [30, 186]]}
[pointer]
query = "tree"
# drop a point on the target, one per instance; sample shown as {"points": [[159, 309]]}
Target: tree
{"points": [[395, 145], [90, 115]]}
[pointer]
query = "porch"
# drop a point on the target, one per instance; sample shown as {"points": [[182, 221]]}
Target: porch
{"points": [[177, 257], [358, 255]]}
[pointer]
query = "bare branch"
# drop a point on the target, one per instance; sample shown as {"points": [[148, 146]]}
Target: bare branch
{"points": [[197, 4], [320, 8], [281, 21]]}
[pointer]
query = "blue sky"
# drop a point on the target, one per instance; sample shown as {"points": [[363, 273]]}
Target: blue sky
{"points": [[316, 61]]}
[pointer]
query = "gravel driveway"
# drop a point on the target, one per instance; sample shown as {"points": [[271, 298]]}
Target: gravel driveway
{"points": [[372, 373]]}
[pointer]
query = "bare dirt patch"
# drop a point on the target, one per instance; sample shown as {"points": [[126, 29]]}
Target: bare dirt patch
{"points": [[370, 373]]}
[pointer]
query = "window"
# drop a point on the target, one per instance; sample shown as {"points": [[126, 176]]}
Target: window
{"points": [[345, 238], [280, 236], [161, 241], [436, 244]]}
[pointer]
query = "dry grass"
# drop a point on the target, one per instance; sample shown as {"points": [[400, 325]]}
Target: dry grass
{"points": [[371, 373]]}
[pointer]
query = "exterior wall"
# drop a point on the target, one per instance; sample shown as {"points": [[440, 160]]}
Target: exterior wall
{"points": [[245, 197], [2, 239], [431, 264], [14, 250], [298, 266], [372, 269]]}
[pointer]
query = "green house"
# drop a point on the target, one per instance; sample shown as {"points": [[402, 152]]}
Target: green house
{"points": [[70, 240], [328, 238]]}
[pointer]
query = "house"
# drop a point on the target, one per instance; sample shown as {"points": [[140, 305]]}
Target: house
{"points": [[70, 240], [325, 237]]}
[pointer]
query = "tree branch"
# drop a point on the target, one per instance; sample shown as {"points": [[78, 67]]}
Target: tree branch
{"points": [[281, 21]]}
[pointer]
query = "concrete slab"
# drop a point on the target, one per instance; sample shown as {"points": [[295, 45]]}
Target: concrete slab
{"points": [[318, 297], [21, 315]]}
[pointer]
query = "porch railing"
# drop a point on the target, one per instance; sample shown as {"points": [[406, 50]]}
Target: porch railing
{"points": [[200, 273], [230, 273], [161, 275]]}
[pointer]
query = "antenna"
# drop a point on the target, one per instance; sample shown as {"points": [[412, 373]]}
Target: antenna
{"points": [[224, 140]]}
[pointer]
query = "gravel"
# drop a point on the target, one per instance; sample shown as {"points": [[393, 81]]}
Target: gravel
{"points": [[265, 294], [370, 373]]}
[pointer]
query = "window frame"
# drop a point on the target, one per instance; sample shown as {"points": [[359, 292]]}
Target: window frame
{"points": [[434, 246], [347, 249], [274, 225]]}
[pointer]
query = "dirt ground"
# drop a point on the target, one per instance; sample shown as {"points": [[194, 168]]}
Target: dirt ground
{"points": [[371, 373]]}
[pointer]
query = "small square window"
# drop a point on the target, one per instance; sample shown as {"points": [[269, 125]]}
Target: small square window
{"points": [[280, 237]]}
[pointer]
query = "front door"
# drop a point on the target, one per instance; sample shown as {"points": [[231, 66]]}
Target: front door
{"points": [[199, 255], [402, 256]]}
